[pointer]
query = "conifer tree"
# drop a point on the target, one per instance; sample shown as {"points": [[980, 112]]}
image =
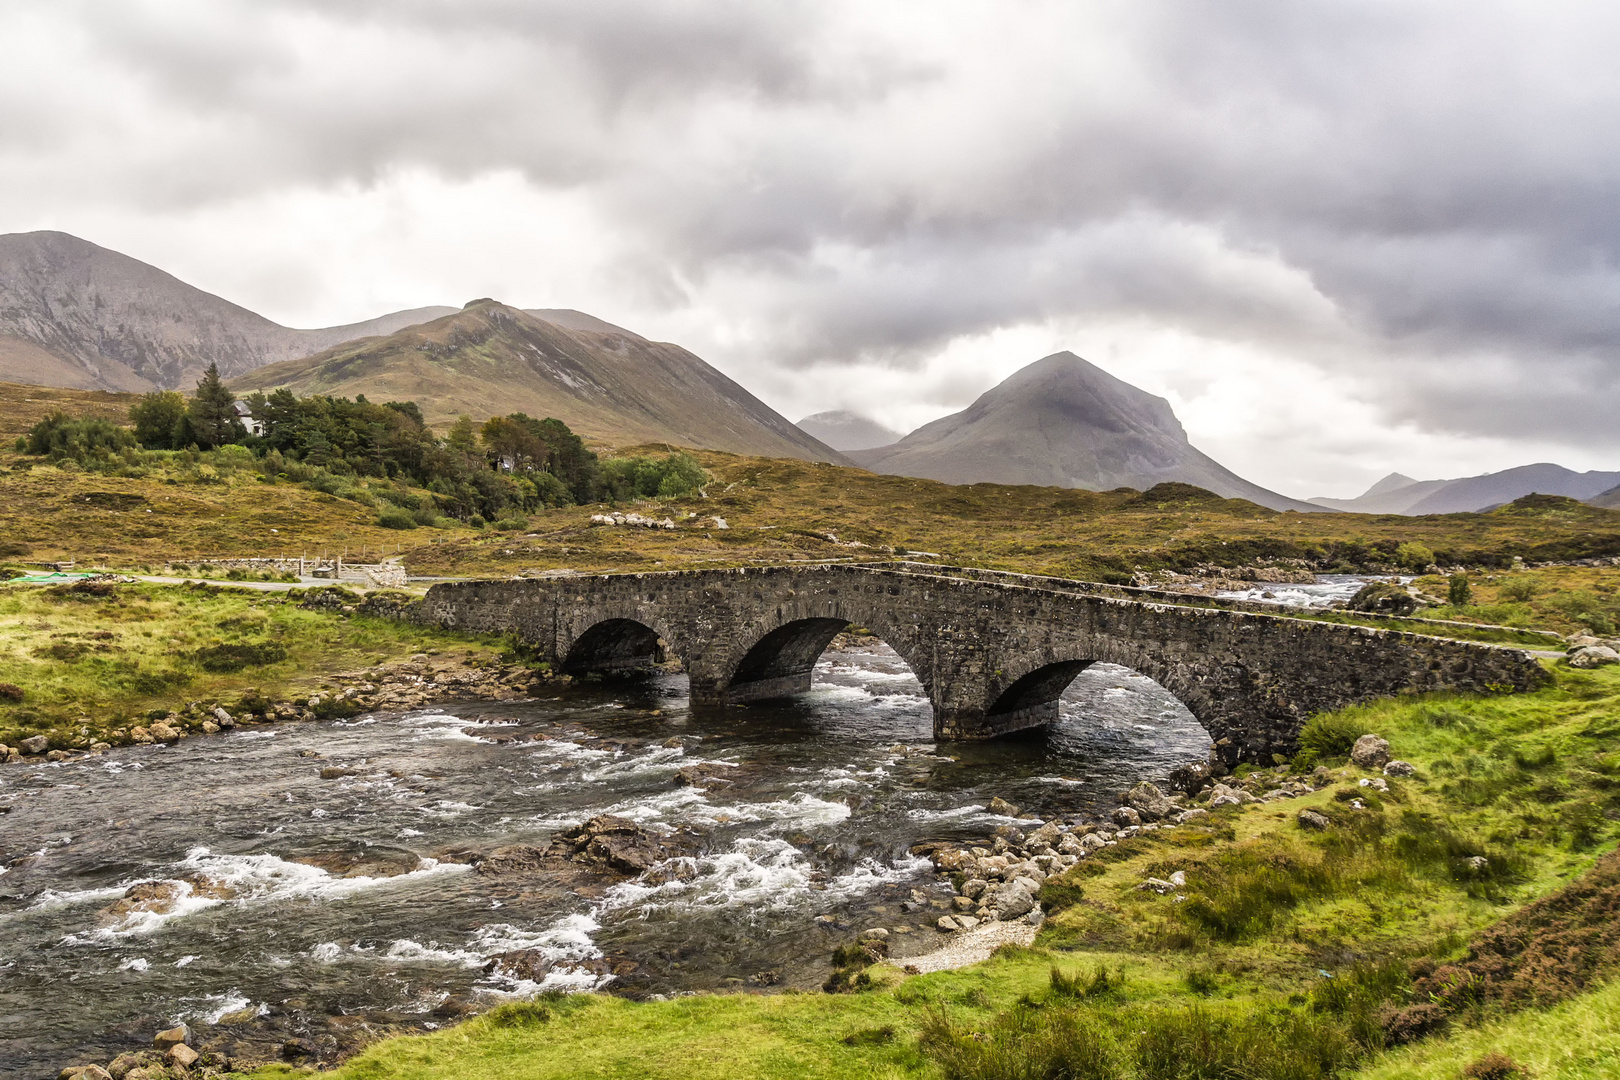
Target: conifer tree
{"points": [[213, 421]]}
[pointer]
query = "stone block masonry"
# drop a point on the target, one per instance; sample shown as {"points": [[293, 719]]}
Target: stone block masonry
{"points": [[993, 654]]}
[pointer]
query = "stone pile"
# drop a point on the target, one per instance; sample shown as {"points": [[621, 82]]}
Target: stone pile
{"points": [[1586, 651], [1001, 880]]}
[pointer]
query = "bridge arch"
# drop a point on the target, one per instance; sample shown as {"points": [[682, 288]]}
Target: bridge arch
{"points": [[614, 642], [777, 658], [1025, 691]]}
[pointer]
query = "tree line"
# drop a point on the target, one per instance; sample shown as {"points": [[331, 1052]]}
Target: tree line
{"points": [[507, 464]]}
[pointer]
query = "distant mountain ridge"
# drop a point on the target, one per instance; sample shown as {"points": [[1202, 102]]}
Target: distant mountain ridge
{"points": [[847, 431], [605, 382], [75, 314], [1397, 494], [1063, 422]]}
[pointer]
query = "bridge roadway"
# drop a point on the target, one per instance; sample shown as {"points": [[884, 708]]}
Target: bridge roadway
{"points": [[993, 650]]}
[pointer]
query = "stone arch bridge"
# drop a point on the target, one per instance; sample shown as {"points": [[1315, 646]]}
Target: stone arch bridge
{"points": [[994, 651]]}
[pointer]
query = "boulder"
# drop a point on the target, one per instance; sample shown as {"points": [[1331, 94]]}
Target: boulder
{"points": [[1126, 816], [1011, 901], [163, 732], [1001, 806], [1158, 885], [1399, 768], [618, 843], [1070, 845], [1310, 819], [34, 744], [1370, 752], [1384, 598], [1147, 800], [182, 1055], [973, 888], [1188, 816], [1192, 777], [511, 859], [947, 924], [1091, 842], [1592, 656], [175, 1036]]}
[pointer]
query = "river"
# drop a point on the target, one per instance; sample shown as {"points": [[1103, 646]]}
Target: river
{"points": [[297, 898]]}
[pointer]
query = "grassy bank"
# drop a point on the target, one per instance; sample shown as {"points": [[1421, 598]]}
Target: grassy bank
{"points": [[85, 662], [1358, 950], [176, 505]]}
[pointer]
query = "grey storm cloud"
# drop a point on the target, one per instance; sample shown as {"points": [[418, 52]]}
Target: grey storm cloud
{"points": [[1422, 196]]}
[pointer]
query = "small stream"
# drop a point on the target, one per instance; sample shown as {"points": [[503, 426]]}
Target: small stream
{"points": [[292, 899]]}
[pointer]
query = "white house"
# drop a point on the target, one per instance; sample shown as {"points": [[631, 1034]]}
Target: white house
{"points": [[244, 413]]}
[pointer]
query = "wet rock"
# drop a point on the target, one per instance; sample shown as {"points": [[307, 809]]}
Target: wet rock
{"points": [[155, 896], [706, 775], [34, 744], [1310, 819], [619, 843], [1192, 777], [1399, 768], [182, 1055], [296, 1049], [529, 964], [120, 1066], [1370, 752], [1126, 816], [511, 859], [163, 732], [175, 1036], [998, 805], [334, 772], [1148, 801]]}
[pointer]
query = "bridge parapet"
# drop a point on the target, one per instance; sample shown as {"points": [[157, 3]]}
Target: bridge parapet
{"points": [[993, 654]]}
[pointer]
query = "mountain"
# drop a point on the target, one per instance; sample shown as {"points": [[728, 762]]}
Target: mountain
{"points": [[1608, 500], [1391, 495], [847, 431], [77, 315], [1474, 492], [605, 382], [1065, 423]]}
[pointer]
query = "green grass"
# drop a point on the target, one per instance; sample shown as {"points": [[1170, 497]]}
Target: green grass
{"points": [[89, 662], [1285, 959], [1576, 1040]]}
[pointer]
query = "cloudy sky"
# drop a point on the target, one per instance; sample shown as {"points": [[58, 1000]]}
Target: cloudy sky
{"points": [[1341, 238]]}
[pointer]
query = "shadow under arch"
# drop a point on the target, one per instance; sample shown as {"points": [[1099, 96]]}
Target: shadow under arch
{"points": [[782, 662], [614, 646], [1030, 699]]}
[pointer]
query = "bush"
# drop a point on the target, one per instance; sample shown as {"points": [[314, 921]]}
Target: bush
{"points": [[1331, 735], [1414, 555], [87, 441], [512, 524], [1458, 594], [225, 659], [1520, 590], [1196, 1043], [395, 518], [1025, 1044]]}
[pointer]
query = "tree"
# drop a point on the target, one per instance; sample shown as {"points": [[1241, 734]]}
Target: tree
{"points": [[155, 417], [1458, 594], [213, 420]]}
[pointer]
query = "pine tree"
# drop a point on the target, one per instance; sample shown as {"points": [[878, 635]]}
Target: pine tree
{"points": [[213, 421]]}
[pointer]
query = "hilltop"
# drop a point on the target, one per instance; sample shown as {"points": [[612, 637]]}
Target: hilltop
{"points": [[74, 314], [611, 385], [1063, 422]]}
